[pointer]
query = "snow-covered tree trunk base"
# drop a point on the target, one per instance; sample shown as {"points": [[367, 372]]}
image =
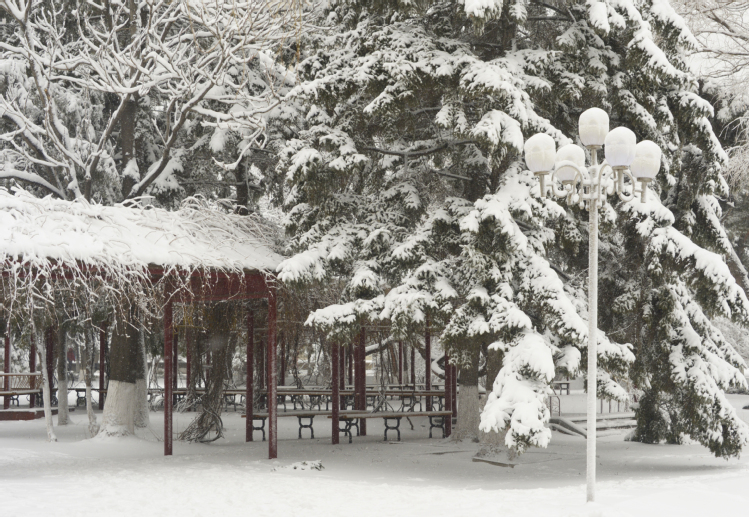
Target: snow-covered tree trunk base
{"points": [[492, 446], [141, 417], [469, 414], [42, 351], [119, 410]]}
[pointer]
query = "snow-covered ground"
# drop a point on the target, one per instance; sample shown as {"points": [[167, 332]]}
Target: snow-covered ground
{"points": [[416, 477]]}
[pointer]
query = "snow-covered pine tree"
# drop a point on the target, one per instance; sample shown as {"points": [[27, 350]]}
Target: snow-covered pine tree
{"points": [[407, 183]]}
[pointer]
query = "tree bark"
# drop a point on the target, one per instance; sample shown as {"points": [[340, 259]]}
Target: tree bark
{"points": [[93, 425], [493, 443], [41, 348], [62, 377], [125, 369], [208, 425], [469, 408], [141, 383]]}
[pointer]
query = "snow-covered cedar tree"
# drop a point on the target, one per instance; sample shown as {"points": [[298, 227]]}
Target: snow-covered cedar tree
{"points": [[407, 183], [116, 100]]}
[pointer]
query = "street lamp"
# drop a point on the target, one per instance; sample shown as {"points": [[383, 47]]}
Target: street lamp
{"points": [[588, 187]]}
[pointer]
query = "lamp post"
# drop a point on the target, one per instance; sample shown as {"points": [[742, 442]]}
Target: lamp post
{"points": [[627, 164]]}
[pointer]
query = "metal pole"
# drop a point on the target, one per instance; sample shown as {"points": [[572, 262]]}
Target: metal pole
{"points": [[272, 375], [593, 323], [168, 392], [336, 372], [413, 367], [250, 371]]}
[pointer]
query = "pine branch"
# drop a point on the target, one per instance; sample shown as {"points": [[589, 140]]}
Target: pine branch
{"points": [[421, 152]]}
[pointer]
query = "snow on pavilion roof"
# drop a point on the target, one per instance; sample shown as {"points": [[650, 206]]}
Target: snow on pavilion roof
{"points": [[198, 235]]}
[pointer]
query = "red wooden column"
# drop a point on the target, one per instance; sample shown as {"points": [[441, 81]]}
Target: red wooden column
{"points": [[168, 372], [336, 396], [413, 366], [250, 370], [272, 376], [341, 367], [6, 369], [32, 367], [350, 355], [102, 363], [400, 362], [448, 395], [361, 380]]}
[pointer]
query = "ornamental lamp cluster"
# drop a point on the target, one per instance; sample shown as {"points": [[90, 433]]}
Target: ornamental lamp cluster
{"points": [[625, 159]]}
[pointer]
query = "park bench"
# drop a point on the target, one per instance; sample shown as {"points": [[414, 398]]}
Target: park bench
{"points": [[351, 420], [15, 384], [300, 415]]}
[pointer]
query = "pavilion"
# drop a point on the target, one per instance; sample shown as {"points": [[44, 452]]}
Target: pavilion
{"points": [[199, 252]]}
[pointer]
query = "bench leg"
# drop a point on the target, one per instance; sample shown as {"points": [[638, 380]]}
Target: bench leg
{"points": [[306, 426], [261, 428], [441, 425], [346, 430], [352, 423], [388, 427]]}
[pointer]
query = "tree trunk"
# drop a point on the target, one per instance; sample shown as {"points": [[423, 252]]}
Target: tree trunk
{"points": [[41, 348], [208, 425], [469, 408], [93, 425], [62, 378], [130, 173], [493, 443], [141, 384], [125, 369]]}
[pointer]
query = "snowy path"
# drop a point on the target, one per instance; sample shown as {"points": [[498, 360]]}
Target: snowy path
{"points": [[418, 477]]}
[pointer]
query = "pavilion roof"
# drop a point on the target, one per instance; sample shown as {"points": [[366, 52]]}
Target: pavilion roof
{"points": [[199, 235]]}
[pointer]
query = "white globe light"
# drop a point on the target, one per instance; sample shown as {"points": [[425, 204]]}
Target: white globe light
{"points": [[540, 153], [593, 126], [570, 153], [647, 160], [620, 147]]}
